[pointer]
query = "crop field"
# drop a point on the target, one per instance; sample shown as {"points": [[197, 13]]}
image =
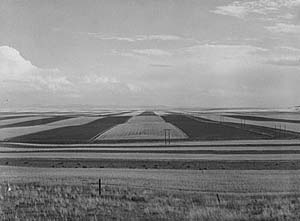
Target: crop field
{"points": [[12, 121], [37, 121], [146, 126], [272, 127], [148, 195], [10, 132], [268, 121], [200, 129], [214, 168], [72, 134], [8, 117]]}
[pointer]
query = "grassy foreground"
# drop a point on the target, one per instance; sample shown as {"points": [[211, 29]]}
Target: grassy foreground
{"points": [[39, 200], [65, 194]]}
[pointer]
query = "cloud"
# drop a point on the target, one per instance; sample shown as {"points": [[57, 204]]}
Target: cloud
{"points": [[16, 71], [284, 28], [241, 9], [288, 61], [12, 64], [158, 37], [232, 10], [290, 49], [95, 79], [108, 83], [222, 51], [136, 37], [152, 52], [161, 65]]}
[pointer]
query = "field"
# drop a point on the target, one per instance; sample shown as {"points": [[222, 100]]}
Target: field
{"points": [[72, 134], [10, 132], [197, 128], [217, 165], [15, 120], [148, 195], [282, 124], [146, 126]]}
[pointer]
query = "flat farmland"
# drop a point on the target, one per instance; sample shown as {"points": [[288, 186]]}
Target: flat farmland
{"points": [[201, 129], [271, 127], [17, 120], [142, 127], [7, 117], [209, 171], [72, 134], [289, 123], [11, 132], [153, 156], [34, 122]]}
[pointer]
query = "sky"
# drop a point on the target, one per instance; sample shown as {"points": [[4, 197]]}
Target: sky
{"points": [[191, 53]]}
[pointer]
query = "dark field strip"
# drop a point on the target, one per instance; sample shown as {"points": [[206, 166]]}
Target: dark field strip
{"points": [[37, 122], [204, 130], [87, 145], [72, 134], [271, 132], [15, 117], [147, 113], [153, 164], [222, 152], [256, 118]]}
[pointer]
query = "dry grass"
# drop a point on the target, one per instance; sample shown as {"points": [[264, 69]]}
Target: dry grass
{"points": [[78, 199]]}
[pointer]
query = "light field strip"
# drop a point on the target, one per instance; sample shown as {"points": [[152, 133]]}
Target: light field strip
{"points": [[154, 156]]}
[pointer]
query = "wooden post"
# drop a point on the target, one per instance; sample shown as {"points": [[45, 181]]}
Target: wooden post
{"points": [[218, 198], [99, 187]]}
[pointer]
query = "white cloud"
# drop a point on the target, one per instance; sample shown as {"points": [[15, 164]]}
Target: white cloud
{"points": [[285, 61], [95, 79], [136, 38], [158, 37], [16, 71], [242, 9], [215, 52], [113, 38], [222, 59], [284, 28], [290, 49], [152, 52], [12, 64], [232, 10]]}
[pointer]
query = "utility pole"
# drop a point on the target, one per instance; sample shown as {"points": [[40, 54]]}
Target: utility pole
{"points": [[167, 136]]}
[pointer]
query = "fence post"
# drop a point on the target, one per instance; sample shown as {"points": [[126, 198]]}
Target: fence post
{"points": [[99, 187], [218, 198]]}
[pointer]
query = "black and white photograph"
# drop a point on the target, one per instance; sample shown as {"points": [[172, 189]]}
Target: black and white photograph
{"points": [[149, 110]]}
